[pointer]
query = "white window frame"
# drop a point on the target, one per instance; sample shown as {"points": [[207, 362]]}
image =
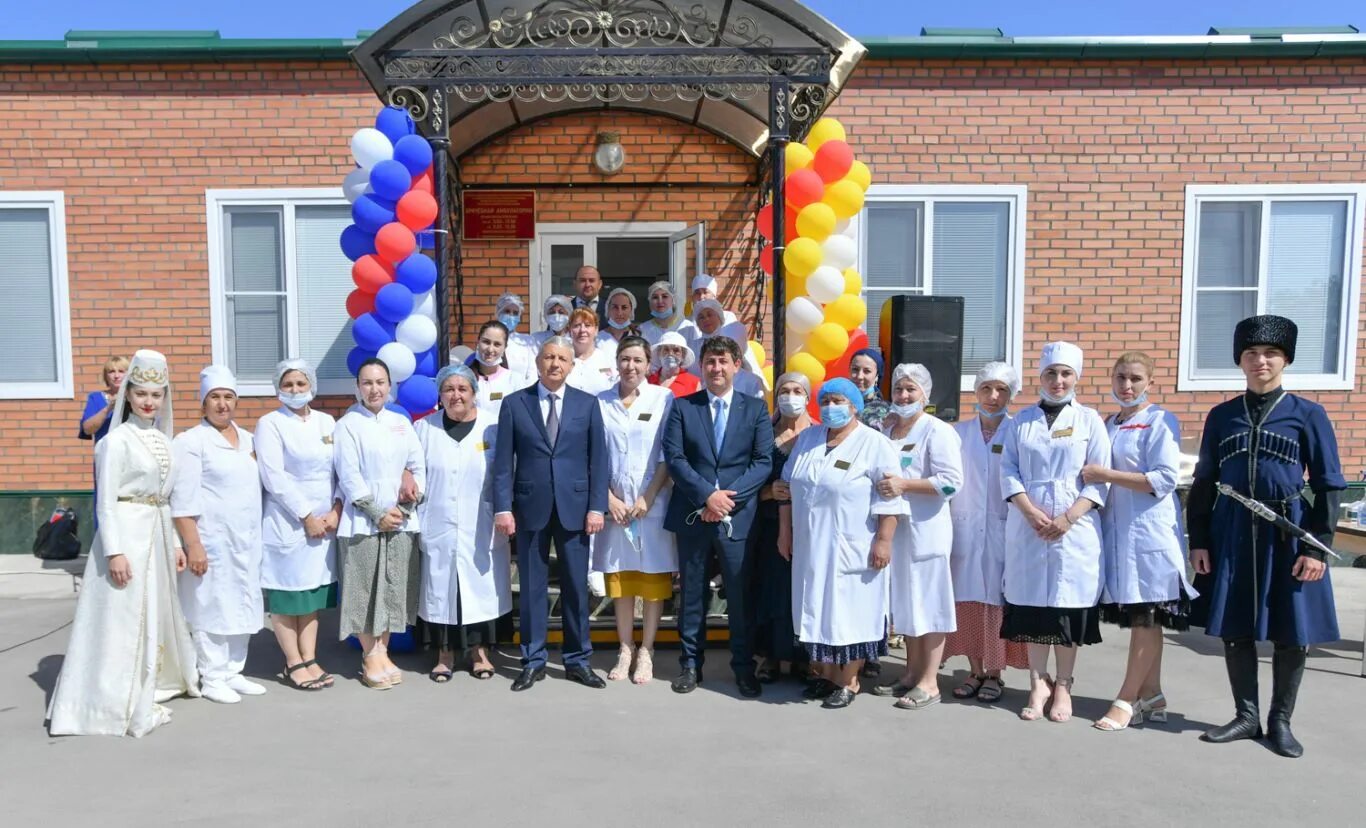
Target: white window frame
{"points": [[1016, 196], [54, 202], [1354, 195], [287, 199]]}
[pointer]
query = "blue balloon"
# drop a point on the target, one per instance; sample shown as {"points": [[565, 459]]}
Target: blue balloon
{"points": [[397, 409], [390, 180], [393, 303], [371, 332], [371, 212], [417, 273], [394, 122], [426, 364], [413, 152], [426, 240], [355, 242], [417, 394], [355, 357]]}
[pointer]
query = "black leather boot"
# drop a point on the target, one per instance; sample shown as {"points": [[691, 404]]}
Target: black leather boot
{"points": [[1240, 657], [1287, 668]]}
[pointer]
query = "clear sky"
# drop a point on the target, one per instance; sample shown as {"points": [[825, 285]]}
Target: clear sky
{"points": [[27, 19]]}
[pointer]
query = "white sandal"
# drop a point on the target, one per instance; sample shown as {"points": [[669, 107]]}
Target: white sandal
{"points": [[1109, 725], [645, 667], [622, 669], [1153, 710]]}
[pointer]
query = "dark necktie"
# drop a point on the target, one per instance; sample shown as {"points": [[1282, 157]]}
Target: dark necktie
{"points": [[552, 420]]}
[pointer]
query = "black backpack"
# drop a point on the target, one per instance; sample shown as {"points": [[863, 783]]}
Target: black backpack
{"points": [[56, 540]]}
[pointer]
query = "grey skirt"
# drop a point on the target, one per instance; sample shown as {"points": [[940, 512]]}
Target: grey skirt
{"points": [[381, 576]]}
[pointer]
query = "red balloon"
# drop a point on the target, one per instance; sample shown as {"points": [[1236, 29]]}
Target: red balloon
{"points": [[839, 366], [833, 161], [813, 407], [394, 242], [763, 222], [803, 187], [790, 225], [766, 259], [423, 182], [370, 273], [417, 210], [359, 302]]}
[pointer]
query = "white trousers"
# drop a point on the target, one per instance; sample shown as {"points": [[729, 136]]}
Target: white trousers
{"points": [[220, 657]]}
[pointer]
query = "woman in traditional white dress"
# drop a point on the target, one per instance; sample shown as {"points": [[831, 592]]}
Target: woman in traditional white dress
{"points": [[495, 380], [130, 648], [381, 567], [634, 550], [1053, 534], [521, 347], [665, 315], [979, 538], [216, 506], [594, 371], [1145, 558], [302, 511], [838, 531], [930, 456]]}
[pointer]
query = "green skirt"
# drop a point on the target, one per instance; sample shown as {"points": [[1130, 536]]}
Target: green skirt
{"points": [[301, 602]]}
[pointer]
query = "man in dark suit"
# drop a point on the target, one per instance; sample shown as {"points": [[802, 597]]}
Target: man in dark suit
{"points": [[719, 446], [550, 483], [589, 293]]}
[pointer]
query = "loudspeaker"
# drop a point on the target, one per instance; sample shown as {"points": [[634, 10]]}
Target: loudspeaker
{"points": [[929, 330]]}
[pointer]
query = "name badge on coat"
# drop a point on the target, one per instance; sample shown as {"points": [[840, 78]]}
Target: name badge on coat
{"points": [[1062, 432], [645, 418], [997, 448], [496, 395], [327, 440]]}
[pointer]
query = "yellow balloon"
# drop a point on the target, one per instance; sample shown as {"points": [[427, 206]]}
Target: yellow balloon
{"points": [[848, 311], [758, 351], [860, 175], [853, 282], [808, 366], [816, 221], [844, 197], [827, 342], [794, 285], [768, 375], [797, 157], [826, 129], [802, 256]]}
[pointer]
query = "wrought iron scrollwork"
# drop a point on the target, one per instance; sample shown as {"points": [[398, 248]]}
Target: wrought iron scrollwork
{"points": [[613, 23], [410, 98]]}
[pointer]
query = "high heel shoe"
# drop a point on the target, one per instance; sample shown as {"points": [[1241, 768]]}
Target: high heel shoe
{"points": [[1053, 714], [1152, 709], [1109, 725], [1034, 714]]}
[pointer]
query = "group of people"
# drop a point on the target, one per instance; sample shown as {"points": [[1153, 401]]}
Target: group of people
{"points": [[1006, 539]]}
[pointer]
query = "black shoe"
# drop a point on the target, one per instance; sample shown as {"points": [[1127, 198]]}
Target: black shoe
{"points": [[687, 680], [842, 697], [528, 677], [819, 689], [749, 686], [1239, 728], [1287, 669], [584, 675], [871, 669], [1281, 740]]}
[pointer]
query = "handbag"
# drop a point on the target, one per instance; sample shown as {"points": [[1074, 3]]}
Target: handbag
{"points": [[56, 539]]}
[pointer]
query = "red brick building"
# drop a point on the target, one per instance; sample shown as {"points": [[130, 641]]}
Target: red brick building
{"points": [[165, 189]]}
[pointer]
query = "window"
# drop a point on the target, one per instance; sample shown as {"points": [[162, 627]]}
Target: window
{"points": [[1291, 250], [950, 241], [280, 283], [35, 324]]}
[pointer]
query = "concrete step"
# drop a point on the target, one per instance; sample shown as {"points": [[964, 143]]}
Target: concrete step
{"points": [[24, 576]]}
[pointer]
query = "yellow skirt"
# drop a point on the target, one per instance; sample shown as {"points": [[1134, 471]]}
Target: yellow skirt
{"points": [[651, 586]]}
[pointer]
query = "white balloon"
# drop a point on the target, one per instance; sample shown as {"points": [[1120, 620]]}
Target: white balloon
{"points": [[842, 227], [357, 184], [840, 252], [424, 304], [804, 315], [400, 360], [418, 333], [825, 284], [369, 146]]}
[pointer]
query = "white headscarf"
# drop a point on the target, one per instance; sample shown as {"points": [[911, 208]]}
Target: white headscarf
{"points": [[215, 376], [148, 369], [998, 372], [916, 373]]}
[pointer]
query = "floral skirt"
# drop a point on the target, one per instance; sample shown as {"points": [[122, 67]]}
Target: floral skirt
{"points": [[979, 637], [842, 654]]}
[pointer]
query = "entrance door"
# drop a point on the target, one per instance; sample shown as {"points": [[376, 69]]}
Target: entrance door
{"points": [[687, 258], [632, 256]]}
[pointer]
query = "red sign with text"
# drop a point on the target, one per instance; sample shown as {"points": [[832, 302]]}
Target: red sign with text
{"points": [[498, 214]]}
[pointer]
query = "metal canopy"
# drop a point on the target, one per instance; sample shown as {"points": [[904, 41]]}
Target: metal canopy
{"points": [[475, 69]]}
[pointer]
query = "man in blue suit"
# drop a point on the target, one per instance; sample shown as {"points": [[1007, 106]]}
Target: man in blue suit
{"points": [[719, 447], [550, 483]]}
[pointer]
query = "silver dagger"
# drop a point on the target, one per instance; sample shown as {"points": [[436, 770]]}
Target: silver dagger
{"points": [[1270, 515]]}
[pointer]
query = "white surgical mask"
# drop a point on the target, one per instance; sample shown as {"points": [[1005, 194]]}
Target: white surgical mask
{"points": [[295, 400], [618, 326], [1063, 400], [664, 314], [790, 405], [557, 321], [908, 410], [670, 363], [487, 363], [983, 412], [1138, 402]]}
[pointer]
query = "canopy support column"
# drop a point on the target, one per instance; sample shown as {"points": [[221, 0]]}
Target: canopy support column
{"points": [[779, 132], [441, 146]]}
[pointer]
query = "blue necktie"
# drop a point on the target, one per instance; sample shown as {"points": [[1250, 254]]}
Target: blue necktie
{"points": [[719, 424]]}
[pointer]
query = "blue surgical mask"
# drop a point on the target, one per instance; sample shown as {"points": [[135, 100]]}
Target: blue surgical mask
{"points": [[295, 400], [836, 416], [870, 392], [618, 326], [1139, 401], [510, 320], [666, 314], [557, 321], [908, 410], [984, 413], [1063, 400]]}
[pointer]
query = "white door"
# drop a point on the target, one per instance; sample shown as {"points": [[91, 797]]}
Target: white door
{"points": [[630, 254], [687, 258]]}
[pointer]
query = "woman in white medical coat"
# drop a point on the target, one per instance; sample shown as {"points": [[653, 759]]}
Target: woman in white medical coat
{"points": [[495, 379], [301, 513], [216, 508], [979, 538], [1145, 559], [665, 315], [1053, 533], [931, 473], [621, 322], [555, 312], [594, 371], [466, 601], [520, 354], [838, 531], [634, 551]]}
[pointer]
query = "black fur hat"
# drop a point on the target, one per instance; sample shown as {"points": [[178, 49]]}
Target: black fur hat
{"points": [[1265, 330]]}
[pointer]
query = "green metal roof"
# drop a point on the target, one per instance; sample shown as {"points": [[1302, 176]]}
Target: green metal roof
{"points": [[80, 46]]}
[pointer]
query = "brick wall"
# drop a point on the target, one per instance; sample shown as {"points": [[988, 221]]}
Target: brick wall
{"points": [[1106, 150]]}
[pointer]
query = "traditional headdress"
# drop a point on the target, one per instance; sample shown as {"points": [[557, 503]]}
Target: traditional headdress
{"points": [[1265, 330], [148, 369]]}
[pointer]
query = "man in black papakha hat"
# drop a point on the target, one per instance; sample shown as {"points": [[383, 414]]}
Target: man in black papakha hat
{"points": [[1256, 584]]}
